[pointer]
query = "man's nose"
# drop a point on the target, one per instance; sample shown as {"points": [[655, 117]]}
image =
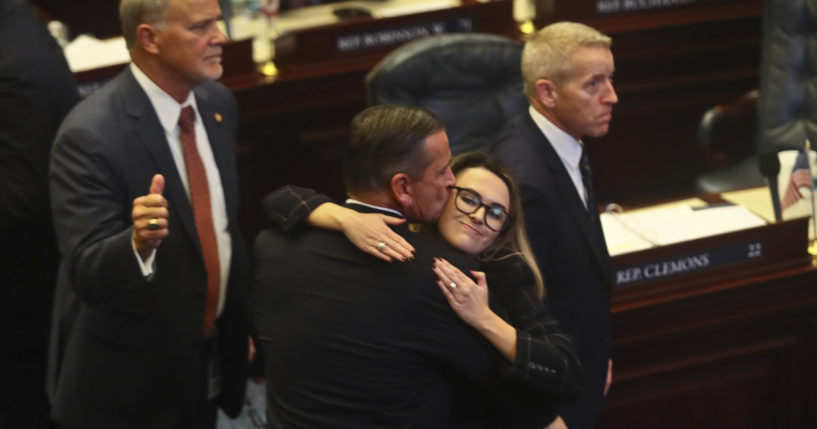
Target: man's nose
{"points": [[218, 37], [450, 179], [611, 97]]}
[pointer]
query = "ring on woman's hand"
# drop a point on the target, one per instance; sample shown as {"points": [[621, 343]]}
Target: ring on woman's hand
{"points": [[452, 285], [153, 224], [381, 246]]}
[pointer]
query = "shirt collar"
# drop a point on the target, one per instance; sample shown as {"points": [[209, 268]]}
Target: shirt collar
{"points": [[385, 209], [568, 148], [166, 107]]}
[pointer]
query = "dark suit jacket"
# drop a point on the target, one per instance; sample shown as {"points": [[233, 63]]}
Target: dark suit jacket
{"points": [[36, 92], [351, 341], [571, 252], [126, 348]]}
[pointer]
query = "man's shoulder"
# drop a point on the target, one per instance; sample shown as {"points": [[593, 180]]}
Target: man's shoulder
{"points": [[214, 92], [523, 148], [98, 110], [517, 140]]}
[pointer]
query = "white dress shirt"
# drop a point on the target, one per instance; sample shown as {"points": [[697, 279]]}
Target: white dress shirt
{"points": [[385, 209], [568, 149], [168, 111]]}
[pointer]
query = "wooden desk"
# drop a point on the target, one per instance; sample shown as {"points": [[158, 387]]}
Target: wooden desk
{"points": [[723, 345], [736, 354]]}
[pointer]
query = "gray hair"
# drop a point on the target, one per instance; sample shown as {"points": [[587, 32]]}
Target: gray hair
{"points": [[133, 13], [386, 140], [548, 53]]}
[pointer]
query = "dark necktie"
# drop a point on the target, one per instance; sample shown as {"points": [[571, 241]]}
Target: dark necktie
{"points": [[587, 181], [200, 195]]}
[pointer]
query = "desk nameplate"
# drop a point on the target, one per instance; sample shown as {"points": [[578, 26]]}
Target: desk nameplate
{"points": [[724, 256], [689, 263], [358, 38]]}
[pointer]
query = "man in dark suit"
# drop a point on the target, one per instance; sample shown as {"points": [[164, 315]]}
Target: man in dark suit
{"points": [[567, 70], [150, 313], [351, 341], [36, 92]]}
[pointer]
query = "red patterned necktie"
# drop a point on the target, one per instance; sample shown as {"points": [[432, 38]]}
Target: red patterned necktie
{"points": [[200, 194]]}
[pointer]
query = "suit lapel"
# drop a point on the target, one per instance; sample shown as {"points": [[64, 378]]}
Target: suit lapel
{"points": [[149, 132], [590, 231], [218, 133]]}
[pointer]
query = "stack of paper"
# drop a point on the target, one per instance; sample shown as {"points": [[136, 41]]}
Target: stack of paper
{"points": [[627, 232], [87, 52]]}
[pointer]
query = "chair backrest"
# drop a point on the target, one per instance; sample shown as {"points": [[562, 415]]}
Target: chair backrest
{"points": [[472, 82], [727, 132]]}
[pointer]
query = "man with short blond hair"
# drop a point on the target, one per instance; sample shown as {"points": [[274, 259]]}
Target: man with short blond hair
{"points": [[568, 77]]}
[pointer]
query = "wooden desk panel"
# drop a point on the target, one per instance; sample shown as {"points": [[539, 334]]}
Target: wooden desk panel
{"points": [[738, 356]]}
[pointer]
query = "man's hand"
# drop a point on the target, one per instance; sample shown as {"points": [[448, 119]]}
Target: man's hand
{"points": [[609, 380], [150, 218]]}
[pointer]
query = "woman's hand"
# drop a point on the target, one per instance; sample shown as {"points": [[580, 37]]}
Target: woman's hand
{"points": [[468, 299], [370, 232]]}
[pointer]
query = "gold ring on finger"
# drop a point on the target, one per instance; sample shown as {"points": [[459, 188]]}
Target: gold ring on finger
{"points": [[153, 224]]}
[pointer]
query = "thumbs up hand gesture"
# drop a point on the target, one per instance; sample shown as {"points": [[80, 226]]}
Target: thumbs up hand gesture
{"points": [[150, 218]]}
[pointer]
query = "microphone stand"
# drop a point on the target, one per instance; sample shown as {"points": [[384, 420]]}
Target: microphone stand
{"points": [[812, 242]]}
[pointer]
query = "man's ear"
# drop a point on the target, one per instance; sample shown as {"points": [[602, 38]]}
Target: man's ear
{"points": [[401, 189], [146, 36], [546, 92]]}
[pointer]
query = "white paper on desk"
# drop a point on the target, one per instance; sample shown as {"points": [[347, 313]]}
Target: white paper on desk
{"points": [[403, 7], [619, 236], [682, 223], [87, 52]]}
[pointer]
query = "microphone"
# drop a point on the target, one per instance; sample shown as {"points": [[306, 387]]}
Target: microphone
{"points": [[227, 14], [769, 166]]}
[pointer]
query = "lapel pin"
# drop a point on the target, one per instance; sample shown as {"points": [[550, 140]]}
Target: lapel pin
{"points": [[217, 116]]}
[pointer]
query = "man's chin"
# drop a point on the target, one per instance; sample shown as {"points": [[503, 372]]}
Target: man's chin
{"points": [[213, 72], [599, 131]]}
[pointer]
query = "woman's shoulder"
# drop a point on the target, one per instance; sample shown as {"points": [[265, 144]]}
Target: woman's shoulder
{"points": [[507, 268]]}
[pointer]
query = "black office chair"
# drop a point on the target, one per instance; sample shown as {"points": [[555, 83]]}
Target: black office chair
{"points": [[787, 107], [726, 144], [472, 82]]}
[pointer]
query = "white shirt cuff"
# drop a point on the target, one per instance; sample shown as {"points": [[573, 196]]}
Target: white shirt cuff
{"points": [[147, 265]]}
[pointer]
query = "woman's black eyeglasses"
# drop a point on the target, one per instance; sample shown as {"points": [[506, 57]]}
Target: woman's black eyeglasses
{"points": [[468, 201]]}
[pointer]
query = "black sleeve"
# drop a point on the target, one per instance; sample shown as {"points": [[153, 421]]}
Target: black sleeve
{"points": [[546, 359], [289, 206]]}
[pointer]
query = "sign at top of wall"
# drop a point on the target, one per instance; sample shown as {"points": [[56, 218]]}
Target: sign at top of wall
{"points": [[616, 6]]}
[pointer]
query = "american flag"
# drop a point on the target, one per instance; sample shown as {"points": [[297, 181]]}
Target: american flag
{"points": [[800, 178], [270, 8]]}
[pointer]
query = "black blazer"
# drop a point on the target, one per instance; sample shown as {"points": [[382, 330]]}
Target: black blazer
{"points": [[351, 341], [546, 359], [123, 346], [571, 252], [36, 92]]}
